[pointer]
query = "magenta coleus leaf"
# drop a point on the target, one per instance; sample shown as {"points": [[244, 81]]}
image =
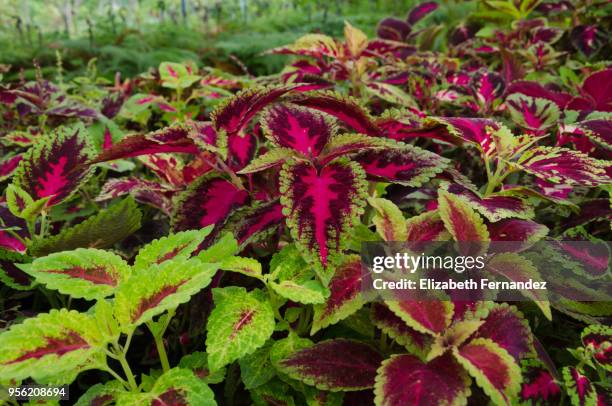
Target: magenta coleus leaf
{"points": [[519, 234], [144, 191], [588, 39], [579, 386], [208, 200], [417, 343], [241, 150], [407, 165], [426, 316], [564, 166], [321, 205], [539, 386], [493, 368], [335, 365], [536, 90], [8, 164], [507, 327], [258, 220], [477, 131], [10, 274], [345, 109], [419, 11], [406, 380], [233, 115], [597, 131], [493, 207], [8, 240], [598, 339], [345, 295], [305, 130], [393, 29], [175, 138], [56, 166], [596, 93]]}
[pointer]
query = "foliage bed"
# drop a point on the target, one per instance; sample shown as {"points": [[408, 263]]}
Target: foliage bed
{"points": [[191, 237]]}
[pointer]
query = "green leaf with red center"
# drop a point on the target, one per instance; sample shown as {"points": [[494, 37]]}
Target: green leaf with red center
{"points": [[598, 339], [56, 166], [532, 113], [104, 229], [539, 387], [101, 394], [175, 138], [427, 316], [493, 368], [389, 220], [507, 327], [153, 290], [415, 342], [51, 347], [152, 193], [304, 130], [178, 246], [233, 115], [345, 109], [208, 201], [83, 273], [258, 221], [514, 267], [177, 75], [246, 266], [565, 166], [239, 324], [579, 386], [335, 365], [406, 380], [494, 207], [463, 223], [176, 387], [321, 206], [404, 164], [345, 295]]}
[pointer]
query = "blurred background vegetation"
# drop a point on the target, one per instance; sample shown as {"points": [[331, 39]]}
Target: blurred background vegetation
{"points": [[129, 36]]}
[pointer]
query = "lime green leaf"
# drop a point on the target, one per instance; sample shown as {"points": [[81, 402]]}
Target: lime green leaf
{"points": [[106, 392], [240, 323], [82, 273], [178, 246], [224, 247], [256, 368], [152, 291], [198, 363], [308, 292], [246, 266], [175, 387], [100, 231], [52, 347]]}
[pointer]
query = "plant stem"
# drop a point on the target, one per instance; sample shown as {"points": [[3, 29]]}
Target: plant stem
{"points": [[161, 350], [127, 370]]}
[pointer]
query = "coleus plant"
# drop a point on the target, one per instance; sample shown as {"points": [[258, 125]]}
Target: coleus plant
{"points": [[504, 136]]}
